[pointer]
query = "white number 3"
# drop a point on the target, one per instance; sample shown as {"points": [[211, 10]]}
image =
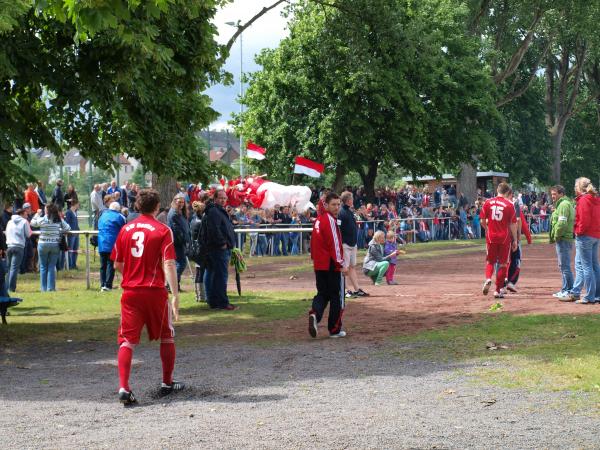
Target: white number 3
{"points": [[497, 213], [138, 237]]}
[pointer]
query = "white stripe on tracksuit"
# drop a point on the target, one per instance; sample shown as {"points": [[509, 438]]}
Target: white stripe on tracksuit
{"points": [[336, 241]]}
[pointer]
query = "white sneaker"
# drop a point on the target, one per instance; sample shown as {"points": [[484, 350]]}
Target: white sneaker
{"points": [[559, 294], [341, 334], [312, 325], [499, 294], [511, 287], [486, 286], [104, 289]]}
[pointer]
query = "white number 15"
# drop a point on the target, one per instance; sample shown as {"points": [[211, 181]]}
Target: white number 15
{"points": [[497, 213]]}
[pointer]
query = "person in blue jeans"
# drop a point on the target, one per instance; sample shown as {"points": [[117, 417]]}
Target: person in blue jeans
{"points": [[73, 239], [295, 237], [561, 233], [17, 234], [110, 223], [52, 227], [219, 240], [587, 242]]}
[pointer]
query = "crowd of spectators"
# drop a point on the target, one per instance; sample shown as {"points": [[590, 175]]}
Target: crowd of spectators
{"points": [[410, 213]]}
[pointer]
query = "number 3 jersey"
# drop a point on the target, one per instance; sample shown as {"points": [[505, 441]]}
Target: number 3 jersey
{"points": [[142, 246], [500, 213]]}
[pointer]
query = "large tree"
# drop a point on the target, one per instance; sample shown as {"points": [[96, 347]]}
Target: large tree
{"points": [[521, 40], [360, 84], [108, 77]]}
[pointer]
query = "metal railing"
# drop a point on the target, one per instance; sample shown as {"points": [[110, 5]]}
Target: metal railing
{"points": [[440, 231]]}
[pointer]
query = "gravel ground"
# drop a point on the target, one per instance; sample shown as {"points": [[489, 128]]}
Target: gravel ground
{"points": [[320, 394]]}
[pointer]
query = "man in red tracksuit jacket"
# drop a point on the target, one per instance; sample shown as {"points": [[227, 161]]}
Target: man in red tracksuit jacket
{"points": [[328, 257]]}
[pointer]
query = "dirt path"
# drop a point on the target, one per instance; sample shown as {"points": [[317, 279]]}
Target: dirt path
{"points": [[432, 293], [292, 392]]}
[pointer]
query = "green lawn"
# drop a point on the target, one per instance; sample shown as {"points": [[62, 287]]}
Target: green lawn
{"points": [[74, 313], [551, 352]]}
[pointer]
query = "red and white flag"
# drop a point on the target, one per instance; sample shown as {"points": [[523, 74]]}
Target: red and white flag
{"points": [[308, 167], [254, 151]]}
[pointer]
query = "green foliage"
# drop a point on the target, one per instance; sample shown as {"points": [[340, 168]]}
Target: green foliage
{"points": [[523, 139], [580, 148], [139, 176], [398, 83], [37, 168], [109, 77]]}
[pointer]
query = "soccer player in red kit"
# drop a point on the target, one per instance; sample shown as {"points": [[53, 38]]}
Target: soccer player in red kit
{"points": [[144, 254], [499, 220]]}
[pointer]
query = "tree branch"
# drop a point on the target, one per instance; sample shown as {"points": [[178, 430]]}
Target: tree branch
{"points": [[483, 9], [582, 106], [517, 93], [241, 28], [517, 57], [581, 55]]}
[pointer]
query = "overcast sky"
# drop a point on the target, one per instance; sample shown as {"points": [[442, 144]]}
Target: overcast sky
{"points": [[266, 32]]}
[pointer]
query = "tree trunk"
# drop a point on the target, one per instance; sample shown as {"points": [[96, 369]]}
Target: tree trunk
{"points": [[557, 136], [166, 187], [340, 176], [467, 182], [368, 179]]}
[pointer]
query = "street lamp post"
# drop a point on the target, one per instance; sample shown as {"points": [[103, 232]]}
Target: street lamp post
{"points": [[237, 25]]}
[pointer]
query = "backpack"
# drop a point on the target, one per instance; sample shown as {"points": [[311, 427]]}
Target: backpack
{"points": [[196, 250]]}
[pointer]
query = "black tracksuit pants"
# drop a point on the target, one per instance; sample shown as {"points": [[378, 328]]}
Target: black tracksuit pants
{"points": [[330, 289], [515, 266]]}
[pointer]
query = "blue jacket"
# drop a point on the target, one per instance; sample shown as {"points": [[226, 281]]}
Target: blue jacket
{"points": [[109, 225], [71, 219]]}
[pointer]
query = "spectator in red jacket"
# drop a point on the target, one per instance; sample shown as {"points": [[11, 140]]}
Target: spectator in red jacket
{"points": [[328, 258], [587, 239]]}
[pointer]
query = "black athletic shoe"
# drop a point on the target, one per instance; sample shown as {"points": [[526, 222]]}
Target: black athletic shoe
{"points": [[312, 325], [127, 398], [166, 389], [361, 293]]}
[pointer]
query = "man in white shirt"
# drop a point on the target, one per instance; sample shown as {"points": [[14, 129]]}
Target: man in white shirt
{"points": [[97, 203]]}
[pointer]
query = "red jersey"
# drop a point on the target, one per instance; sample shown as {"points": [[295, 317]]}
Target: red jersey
{"points": [[326, 244], [500, 213], [142, 246]]}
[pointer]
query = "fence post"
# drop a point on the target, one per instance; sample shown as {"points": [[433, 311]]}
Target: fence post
{"points": [[87, 260], [414, 231]]}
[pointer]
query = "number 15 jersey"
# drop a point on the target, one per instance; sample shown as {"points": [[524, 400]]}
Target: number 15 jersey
{"points": [[500, 213], [142, 246]]}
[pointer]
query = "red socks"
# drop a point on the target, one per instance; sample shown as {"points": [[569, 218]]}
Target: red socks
{"points": [[500, 277], [124, 358], [489, 271], [167, 356]]}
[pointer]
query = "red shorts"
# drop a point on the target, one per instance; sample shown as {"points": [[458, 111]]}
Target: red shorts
{"points": [[498, 253], [148, 307]]}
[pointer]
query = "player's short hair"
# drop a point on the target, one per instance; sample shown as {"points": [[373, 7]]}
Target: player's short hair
{"points": [[216, 194], [331, 196], [504, 188], [559, 189], [147, 200], [346, 195]]}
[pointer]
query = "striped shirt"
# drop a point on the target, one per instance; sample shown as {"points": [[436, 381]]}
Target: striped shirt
{"points": [[50, 232]]}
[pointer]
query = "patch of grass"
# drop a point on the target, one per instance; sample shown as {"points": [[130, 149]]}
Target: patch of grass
{"points": [[544, 352], [74, 313]]}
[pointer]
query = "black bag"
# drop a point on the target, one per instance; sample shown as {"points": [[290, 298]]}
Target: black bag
{"points": [[63, 245], [193, 248], [94, 240]]}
